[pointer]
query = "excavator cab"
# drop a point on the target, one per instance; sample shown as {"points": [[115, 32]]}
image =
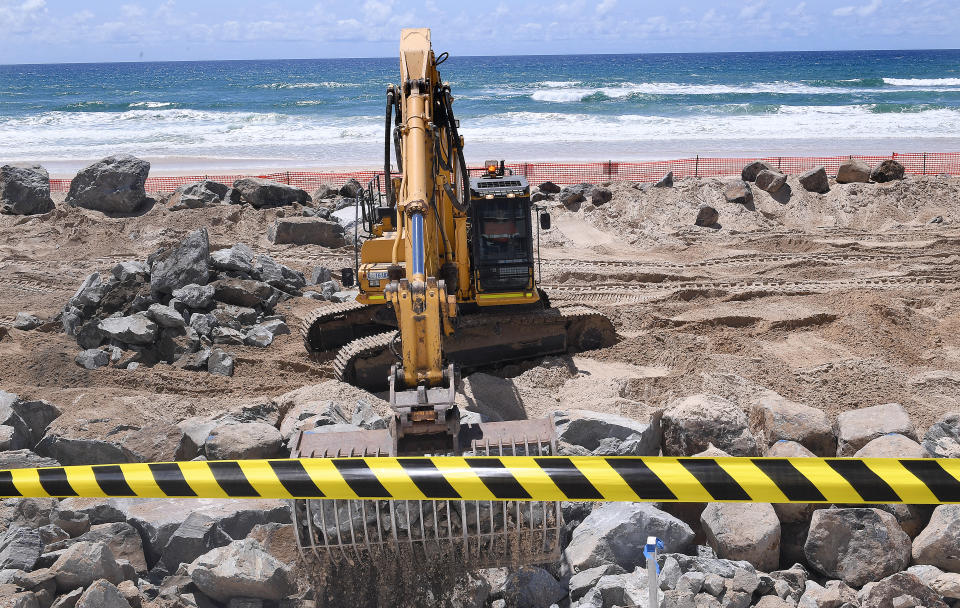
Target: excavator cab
{"points": [[502, 235]]}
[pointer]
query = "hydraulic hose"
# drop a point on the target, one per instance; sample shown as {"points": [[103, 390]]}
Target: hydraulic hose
{"points": [[388, 183]]}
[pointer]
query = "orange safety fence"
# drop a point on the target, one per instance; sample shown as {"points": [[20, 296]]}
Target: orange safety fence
{"points": [[918, 163]]}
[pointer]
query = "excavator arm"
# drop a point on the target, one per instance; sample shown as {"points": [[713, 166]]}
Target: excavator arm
{"points": [[422, 387]]}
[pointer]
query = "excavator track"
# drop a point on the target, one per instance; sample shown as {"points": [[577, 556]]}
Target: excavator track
{"points": [[333, 325], [484, 340]]}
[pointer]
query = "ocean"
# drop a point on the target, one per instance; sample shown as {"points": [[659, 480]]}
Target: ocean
{"points": [[244, 115]]}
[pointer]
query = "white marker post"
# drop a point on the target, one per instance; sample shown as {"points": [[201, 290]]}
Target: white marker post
{"points": [[653, 545]]}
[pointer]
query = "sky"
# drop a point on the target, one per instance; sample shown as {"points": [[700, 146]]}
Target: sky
{"points": [[56, 31]]}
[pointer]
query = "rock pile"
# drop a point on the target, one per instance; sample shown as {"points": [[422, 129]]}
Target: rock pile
{"points": [[184, 306]]}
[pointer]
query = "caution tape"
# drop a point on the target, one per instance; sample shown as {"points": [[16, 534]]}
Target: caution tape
{"points": [[651, 479]]}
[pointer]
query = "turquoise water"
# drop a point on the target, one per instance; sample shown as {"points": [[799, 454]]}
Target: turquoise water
{"points": [[302, 113]]}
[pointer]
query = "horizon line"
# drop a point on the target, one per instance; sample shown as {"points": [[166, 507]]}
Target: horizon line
{"points": [[797, 51]]}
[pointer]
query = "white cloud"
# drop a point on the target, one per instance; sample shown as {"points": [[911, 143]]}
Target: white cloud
{"points": [[605, 6], [864, 11], [131, 11], [750, 11]]}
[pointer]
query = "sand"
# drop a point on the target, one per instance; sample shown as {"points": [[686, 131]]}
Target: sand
{"points": [[838, 301]]}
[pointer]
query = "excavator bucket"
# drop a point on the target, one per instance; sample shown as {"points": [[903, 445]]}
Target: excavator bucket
{"points": [[471, 534]]}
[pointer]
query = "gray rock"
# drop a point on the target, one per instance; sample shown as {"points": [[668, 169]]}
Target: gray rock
{"points": [[572, 196], [266, 193], [328, 288], [853, 170], [264, 333], [73, 523], [35, 415], [351, 189], [220, 363], [939, 543], [80, 450], [24, 459], [815, 180], [884, 593], [743, 531], [232, 441], [195, 296], [772, 601], [185, 264], [706, 216], [771, 181], [120, 537], [82, 563], [777, 418], [68, 600], [600, 196], [238, 258], [666, 181], [20, 548], [280, 276], [835, 595], [130, 271], [615, 533], [344, 296], [227, 335], [691, 424], [319, 274], [893, 445], [942, 439], [620, 590], [204, 193], [887, 171], [366, 417], [165, 316], [25, 190], [856, 428], [203, 323], [198, 534], [738, 192], [102, 594], [114, 184], [792, 512], [92, 358], [241, 569], [323, 191], [89, 294], [306, 231], [624, 436], [581, 582], [25, 321], [195, 362], [532, 587], [856, 545], [135, 329], [234, 316], [751, 171], [242, 292]]}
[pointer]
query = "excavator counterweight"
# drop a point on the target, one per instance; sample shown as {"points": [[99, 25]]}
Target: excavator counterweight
{"points": [[446, 285]]}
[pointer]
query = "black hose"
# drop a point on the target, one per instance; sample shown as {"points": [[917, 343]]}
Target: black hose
{"points": [[388, 183], [457, 143]]}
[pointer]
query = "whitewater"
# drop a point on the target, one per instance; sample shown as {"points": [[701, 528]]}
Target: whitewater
{"points": [[322, 113]]}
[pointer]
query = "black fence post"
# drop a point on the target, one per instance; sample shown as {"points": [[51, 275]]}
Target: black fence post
{"points": [[924, 164], [696, 167]]}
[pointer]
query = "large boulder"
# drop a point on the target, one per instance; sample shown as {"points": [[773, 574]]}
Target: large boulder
{"points": [[114, 184], [692, 423], [751, 171], [834, 595], [939, 543], [280, 276], [233, 440], [82, 563], [532, 587], [892, 445], [102, 594], [185, 264], [241, 569], [266, 193], [744, 531], [196, 195], [306, 231], [198, 534], [20, 548], [856, 545], [815, 180], [24, 190], [120, 537], [887, 171], [853, 170], [28, 416], [614, 590], [238, 258], [777, 418], [706, 216], [738, 192], [351, 189], [771, 181], [856, 428], [609, 434], [615, 533], [135, 329], [549, 188], [942, 439], [885, 593], [242, 292]]}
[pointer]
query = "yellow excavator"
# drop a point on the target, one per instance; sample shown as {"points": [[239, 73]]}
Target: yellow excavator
{"points": [[447, 284]]}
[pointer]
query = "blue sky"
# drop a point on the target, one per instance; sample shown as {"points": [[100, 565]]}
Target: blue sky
{"points": [[44, 31]]}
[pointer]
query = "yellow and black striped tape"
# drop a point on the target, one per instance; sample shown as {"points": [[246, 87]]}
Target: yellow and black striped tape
{"points": [[654, 479]]}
